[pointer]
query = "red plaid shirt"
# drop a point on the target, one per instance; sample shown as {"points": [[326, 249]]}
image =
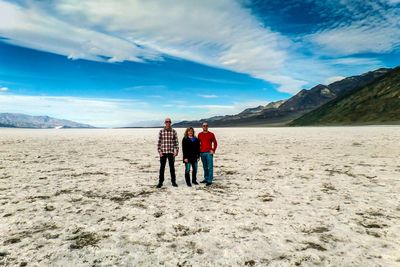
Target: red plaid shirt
{"points": [[168, 141]]}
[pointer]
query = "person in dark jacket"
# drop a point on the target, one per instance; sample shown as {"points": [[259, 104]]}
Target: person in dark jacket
{"points": [[191, 154]]}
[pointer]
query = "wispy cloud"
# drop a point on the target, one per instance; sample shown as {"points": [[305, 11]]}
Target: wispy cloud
{"points": [[222, 34], [167, 105], [220, 81], [363, 27], [354, 61], [4, 89], [356, 39], [208, 96], [205, 110], [36, 28], [145, 87], [217, 110], [98, 112]]}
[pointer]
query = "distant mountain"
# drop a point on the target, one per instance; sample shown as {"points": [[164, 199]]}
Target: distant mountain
{"points": [[375, 103], [282, 112], [15, 120]]}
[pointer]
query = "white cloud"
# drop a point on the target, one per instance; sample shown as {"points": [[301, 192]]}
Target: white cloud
{"points": [[97, 112], [286, 83], [145, 87], [208, 96], [240, 106], [218, 110], [221, 33], [354, 61], [3, 89], [354, 40], [34, 28], [195, 112], [362, 27], [168, 105]]}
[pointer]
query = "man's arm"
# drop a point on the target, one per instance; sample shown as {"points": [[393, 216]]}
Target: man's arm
{"points": [[159, 144], [214, 144], [176, 144]]}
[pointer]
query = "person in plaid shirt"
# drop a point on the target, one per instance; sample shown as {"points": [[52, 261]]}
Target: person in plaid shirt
{"points": [[168, 148]]}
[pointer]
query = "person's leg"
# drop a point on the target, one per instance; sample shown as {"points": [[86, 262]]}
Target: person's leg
{"points": [[205, 166], [187, 174], [210, 163], [194, 172], [163, 161], [171, 161]]}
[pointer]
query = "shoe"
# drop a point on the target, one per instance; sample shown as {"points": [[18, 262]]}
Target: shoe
{"points": [[174, 185], [159, 185], [208, 184], [189, 185], [195, 182], [204, 181]]}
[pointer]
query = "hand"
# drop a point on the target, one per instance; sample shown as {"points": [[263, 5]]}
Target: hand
{"points": [[211, 152], [161, 154], [175, 154], [186, 160]]}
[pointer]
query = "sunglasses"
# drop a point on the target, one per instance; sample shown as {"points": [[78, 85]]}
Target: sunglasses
{"points": [[167, 121]]}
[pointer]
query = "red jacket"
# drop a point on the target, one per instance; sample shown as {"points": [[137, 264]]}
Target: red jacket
{"points": [[207, 142]]}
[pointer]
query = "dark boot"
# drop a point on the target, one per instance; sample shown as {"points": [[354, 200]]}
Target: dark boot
{"points": [[187, 179], [194, 178]]}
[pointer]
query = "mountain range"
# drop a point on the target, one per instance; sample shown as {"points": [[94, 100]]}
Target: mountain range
{"points": [[370, 98], [283, 112], [376, 103], [16, 120]]}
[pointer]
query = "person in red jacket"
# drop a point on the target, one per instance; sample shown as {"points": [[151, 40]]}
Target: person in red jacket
{"points": [[208, 146]]}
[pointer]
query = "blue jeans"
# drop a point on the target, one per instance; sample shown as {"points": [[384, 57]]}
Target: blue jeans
{"points": [[208, 166], [194, 171]]}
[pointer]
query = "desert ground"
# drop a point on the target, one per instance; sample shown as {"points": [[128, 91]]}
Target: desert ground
{"points": [[327, 196]]}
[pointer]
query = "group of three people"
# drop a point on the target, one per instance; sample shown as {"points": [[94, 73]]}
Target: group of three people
{"points": [[193, 148]]}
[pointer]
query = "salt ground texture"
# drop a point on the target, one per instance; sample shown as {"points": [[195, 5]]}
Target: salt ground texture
{"points": [[326, 196]]}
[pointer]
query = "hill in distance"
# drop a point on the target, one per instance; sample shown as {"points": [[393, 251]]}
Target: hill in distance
{"points": [[16, 120], [375, 103], [282, 112]]}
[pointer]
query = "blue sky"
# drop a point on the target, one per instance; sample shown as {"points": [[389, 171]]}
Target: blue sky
{"points": [[130, 62]]}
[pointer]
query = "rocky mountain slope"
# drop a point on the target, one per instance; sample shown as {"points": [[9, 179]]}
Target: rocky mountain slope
{"points": [[375, 103], [284, 111]]}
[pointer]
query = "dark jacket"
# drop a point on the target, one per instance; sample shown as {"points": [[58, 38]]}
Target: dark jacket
{"points": [[190, 149]]}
